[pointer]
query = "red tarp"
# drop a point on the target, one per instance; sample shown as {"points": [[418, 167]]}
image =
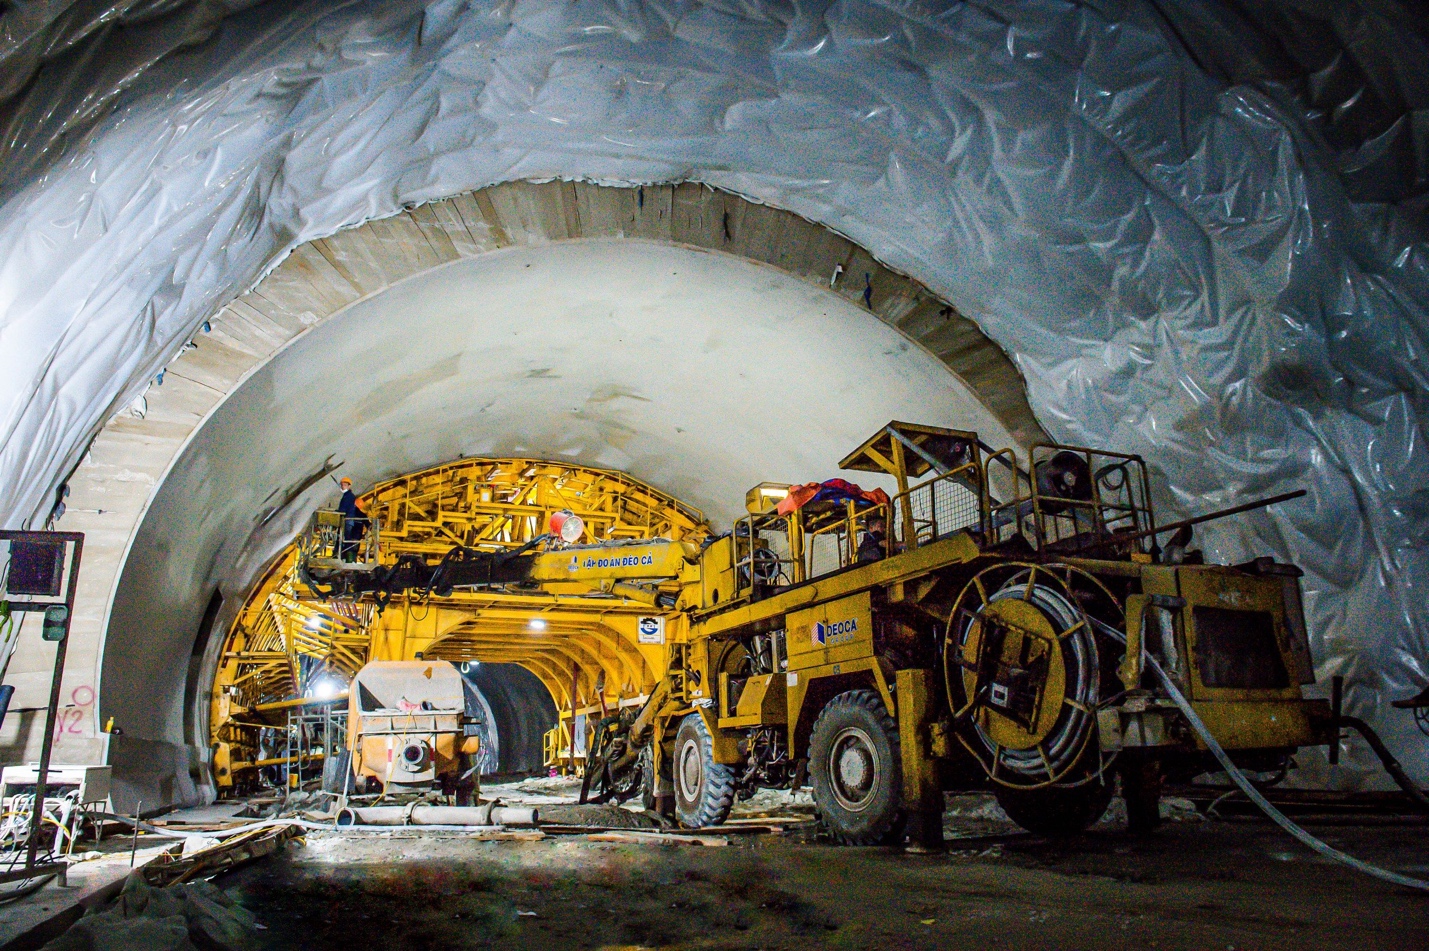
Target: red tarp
{"points": [[834, 490]]}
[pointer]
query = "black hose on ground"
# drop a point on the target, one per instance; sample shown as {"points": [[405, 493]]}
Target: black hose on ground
{"points": [[135, 822], [1391, 765]]}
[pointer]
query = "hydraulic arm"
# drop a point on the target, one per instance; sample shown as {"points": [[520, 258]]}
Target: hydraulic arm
{"points": [[632, 570]]}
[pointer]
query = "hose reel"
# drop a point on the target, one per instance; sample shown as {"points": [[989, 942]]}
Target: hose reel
{"points": [[1024, 675]]}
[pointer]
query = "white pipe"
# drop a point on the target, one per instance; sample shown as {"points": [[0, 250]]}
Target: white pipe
{"points": [[421, 814]]}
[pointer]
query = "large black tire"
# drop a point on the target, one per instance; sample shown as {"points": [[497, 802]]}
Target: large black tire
{"points": [[1056, 810], [336, 772], [704, 789], [856, 769]]}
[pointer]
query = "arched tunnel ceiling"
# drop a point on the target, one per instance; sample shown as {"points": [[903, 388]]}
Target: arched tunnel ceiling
{"points": [[1350, 66], [695, 371], [1187, 255]]}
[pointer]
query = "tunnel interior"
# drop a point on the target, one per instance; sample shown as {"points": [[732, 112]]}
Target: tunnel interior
{"points": [[496, 262], [697, 371]]}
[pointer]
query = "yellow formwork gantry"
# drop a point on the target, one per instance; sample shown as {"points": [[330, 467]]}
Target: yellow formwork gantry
{"points": [[586, 648], [277, 646]]}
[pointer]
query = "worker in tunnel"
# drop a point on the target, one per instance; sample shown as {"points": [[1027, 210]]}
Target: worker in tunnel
{"points": [[354, 520], [872, 546]]}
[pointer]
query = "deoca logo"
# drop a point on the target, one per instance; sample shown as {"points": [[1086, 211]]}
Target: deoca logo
{"points": [[835, 631]]}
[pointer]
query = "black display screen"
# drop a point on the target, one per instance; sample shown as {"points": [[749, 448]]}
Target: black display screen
{"points": [[36, 568]]}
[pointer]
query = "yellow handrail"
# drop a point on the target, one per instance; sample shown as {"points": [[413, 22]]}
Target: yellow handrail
{"points": [[971, 472]]}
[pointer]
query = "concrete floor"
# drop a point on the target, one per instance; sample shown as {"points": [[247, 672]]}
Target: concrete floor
{"points": [[1194, 885]]}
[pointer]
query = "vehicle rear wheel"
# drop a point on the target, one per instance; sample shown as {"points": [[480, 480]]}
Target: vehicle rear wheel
{"points": [[1056, 810], [704, 789], [856, 769]]}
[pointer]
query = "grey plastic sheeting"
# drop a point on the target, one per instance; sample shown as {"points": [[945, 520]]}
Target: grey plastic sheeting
{"points": [[1173, 261]]}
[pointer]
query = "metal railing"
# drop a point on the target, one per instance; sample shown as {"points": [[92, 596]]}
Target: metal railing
{"points": [[1109, 498], [1014, 516], [757, 562], [942, 506], [1115, 501], [334, 542], [772, 550], [831, 543]]}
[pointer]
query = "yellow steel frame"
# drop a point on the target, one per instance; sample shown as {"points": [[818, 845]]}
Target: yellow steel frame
{"points": [[261, 663], [583, 646]]}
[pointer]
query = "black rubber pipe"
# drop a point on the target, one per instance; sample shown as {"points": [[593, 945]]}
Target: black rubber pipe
{"points": [[1391, 765]]}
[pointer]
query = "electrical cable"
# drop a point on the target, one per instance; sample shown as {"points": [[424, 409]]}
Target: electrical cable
{"points": [[167, 832], [1247, 787], [1278, 817]]}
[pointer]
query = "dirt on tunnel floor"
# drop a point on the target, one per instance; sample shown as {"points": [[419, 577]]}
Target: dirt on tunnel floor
{"points": [[1193, 885]]}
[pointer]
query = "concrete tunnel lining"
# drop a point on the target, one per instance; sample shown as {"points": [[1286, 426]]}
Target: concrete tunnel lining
{"points": [[521, 711], [695, 371]]}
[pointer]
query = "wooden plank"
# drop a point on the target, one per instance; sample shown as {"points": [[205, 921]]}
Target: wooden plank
{"points": [[247, 329], [809, 250], [405, 249], [653, 212], [530, 214], [894, 295], [697, 215], [231, 852], [570, 207], [302, 290], [758, 233], [486, 218], [178, 401], [292, 323], [858, 275], [433, 228], [356, 254], [659, 838], [240, 335], [927, 316], [605, 212], [214, 363], [449, 218]]}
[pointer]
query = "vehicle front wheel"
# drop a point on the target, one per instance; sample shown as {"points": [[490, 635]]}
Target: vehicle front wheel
{"points": [[704, 789], [856, 769]]}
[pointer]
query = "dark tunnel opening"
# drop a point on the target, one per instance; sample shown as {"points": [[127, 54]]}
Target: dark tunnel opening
{"points": [[521, 710]]}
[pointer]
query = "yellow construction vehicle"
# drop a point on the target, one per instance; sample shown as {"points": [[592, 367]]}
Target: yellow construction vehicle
{"points": [[1002, 622]]}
